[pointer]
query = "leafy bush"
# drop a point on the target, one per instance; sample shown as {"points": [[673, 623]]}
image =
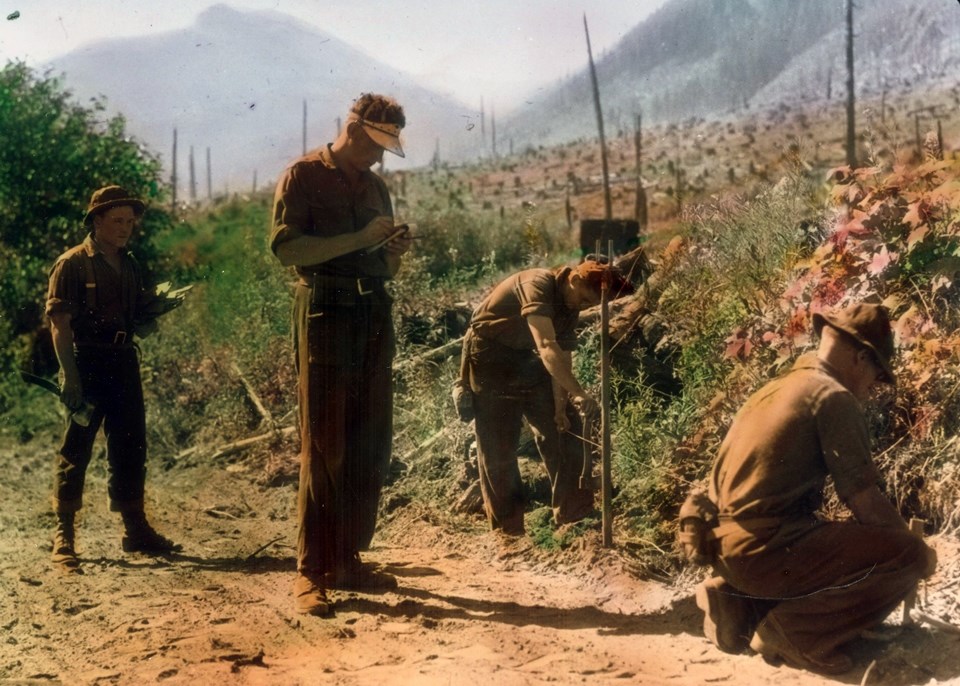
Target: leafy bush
{"points": [[55, 154]]}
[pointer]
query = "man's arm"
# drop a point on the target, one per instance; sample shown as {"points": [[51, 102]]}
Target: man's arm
{"points": [[558, 362], [870, 507], [309, 250], [61, 330]]}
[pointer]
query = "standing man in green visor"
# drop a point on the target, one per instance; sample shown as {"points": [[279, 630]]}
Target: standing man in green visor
{"points": [[333, 222]]}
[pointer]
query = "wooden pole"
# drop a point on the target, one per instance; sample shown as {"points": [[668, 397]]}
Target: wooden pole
{"points": [[851, 97], [209, 177], [607, 480], [304, 126], [640, 201], [173, 175], [607, 205], [916, 527], [193, 179]]}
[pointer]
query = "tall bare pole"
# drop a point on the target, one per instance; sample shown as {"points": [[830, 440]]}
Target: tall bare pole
{"points": [[193, 179], [493, 132], [851, 102], [209, 177], [606, 477], [640, 199], [483, 125], [173, 174], [607, 205]]}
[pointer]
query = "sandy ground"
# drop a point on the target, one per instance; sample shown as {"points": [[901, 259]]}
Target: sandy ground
{"points": [[470, 608]]}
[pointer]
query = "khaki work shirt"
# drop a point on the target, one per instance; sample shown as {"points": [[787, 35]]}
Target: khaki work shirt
{"points": [[119, 297], [784, 442], [501, 317], [314, 198]]}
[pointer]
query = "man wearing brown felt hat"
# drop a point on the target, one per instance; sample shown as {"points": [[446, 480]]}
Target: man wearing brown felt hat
{"points": [[97, 300], [793, 586]]}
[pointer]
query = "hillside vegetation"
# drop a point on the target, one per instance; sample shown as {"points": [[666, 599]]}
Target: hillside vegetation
{"points": [[766, 234]]}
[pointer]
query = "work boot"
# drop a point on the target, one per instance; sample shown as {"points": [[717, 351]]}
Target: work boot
{"points": [[140, 537], [354, 575], [770, 642], [726, 615], [310, 595], [64, 555]]}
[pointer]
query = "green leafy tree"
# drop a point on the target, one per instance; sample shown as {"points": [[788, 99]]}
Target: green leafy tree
{"points": [[53, 153]]}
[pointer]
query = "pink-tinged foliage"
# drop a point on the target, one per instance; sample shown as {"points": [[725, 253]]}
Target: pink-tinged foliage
{"points": [[738, 345], [895, 237], [881, 260]]}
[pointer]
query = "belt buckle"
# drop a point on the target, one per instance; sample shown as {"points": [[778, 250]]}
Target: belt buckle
{"points": [[360, 289], [120, 338]]}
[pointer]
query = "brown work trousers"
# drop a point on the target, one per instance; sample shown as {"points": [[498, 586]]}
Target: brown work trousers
{"points": [[344, 356], [111, 382], [510, 386], [827, 585]]}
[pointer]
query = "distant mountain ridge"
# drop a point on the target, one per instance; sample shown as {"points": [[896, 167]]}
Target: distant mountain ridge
{"points": [[236, 81], [710, 58]]}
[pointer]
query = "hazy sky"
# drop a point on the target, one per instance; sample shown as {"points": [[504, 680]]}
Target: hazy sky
{"points": [[506, 48]]}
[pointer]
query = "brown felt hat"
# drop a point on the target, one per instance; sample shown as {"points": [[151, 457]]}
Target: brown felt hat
{"points": [[869, 326], [111, 196]]}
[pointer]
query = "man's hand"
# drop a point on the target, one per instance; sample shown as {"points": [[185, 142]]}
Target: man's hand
{"points": [[71, 393], [585, 405], [379, 229], [399, 245]]}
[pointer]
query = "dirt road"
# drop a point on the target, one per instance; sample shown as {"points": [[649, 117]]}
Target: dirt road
{"points": [[470, 608]]}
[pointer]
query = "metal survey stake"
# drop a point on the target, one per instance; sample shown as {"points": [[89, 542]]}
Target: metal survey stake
{"points": [[606, 478]]}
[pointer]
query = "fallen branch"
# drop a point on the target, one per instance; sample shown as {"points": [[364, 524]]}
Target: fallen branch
{"points": [[243, 444], [219, 513], [265, 414], [426, 444], [920, 616], [262, 548], [443, 352]]}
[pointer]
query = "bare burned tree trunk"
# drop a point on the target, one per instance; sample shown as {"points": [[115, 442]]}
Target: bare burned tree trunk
{"points": [[209, 177], [483, 128], [493, 132], [607, 205], [193, 179], [851, 97], [640, 201], [173, 174]]}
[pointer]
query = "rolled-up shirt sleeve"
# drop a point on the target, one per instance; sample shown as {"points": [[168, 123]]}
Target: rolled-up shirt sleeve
{"points": [[63, 290], [291, 211]]}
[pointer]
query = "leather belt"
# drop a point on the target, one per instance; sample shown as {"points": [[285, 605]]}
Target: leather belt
{"points": [[361, 285], [119, 339]]}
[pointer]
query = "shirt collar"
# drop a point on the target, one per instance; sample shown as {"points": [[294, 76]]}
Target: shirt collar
{"points": [[326, 156], [810, 360], [91, 248]]}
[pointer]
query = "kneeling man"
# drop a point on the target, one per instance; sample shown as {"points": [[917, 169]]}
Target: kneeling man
{"points": [[804, 586]]}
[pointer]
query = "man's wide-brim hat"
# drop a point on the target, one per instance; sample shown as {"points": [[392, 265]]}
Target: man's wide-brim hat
{"points": [[111, 196], [869, 326], [384, 134]]}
